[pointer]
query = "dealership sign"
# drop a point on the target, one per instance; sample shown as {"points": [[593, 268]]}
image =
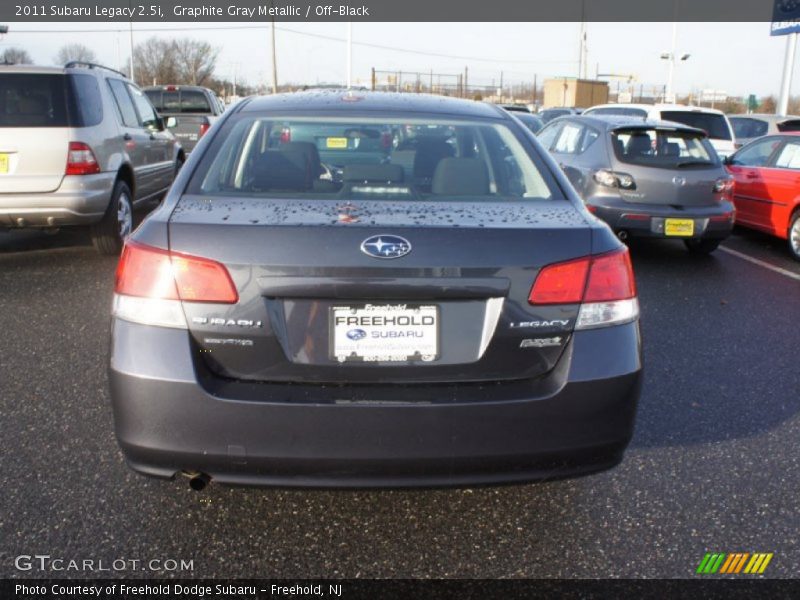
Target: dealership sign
{"points": [[785, 17]]}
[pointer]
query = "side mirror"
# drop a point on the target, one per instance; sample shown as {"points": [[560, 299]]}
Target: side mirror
{"points": [[728, 160], [171, 122]]}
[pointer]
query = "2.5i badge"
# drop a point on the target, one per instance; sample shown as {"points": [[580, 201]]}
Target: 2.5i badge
{"points": [[541, 342]]}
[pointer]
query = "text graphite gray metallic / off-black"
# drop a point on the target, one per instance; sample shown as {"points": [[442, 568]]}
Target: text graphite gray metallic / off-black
{"points": [[359, 289]]}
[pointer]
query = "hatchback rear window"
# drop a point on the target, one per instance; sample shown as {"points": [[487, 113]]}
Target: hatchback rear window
{"points": [[713, 124], [33, 100], [369, 158], [747, 127], [663, 148]]}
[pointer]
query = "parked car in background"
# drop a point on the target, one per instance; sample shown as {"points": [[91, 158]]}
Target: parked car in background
{"points": [[194, 109], [533, 122], [746, 128], [713, 122], [272, 326], [516, 108], [767, 193], [548, 114], [646, 178], [80, 145]]}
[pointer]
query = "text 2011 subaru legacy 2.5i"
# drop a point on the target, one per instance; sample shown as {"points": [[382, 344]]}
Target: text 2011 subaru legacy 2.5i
{"points": [[359, 309]]}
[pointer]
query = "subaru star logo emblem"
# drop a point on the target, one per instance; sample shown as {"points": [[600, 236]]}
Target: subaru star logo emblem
{"points": [[386, 246], [356, 334], [679, 181]]}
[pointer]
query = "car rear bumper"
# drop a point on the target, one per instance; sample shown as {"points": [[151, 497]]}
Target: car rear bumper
{"points": [[168, 419], [647, 220], [79, 200]]}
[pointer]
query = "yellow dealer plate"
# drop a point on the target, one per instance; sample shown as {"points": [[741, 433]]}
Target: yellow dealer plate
{"points": [[679, 227], [336, 143], [3, 163]]}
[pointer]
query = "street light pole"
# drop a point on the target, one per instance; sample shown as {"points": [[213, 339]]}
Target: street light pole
{"points": [[274, 61], [130, 49], [670, 77], [788, 69]]}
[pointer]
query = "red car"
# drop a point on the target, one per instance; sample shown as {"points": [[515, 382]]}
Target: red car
{"points": [[767, 191]]}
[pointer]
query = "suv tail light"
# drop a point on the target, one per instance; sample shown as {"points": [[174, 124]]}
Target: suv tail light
{"points": [[203, 129], [81, 160], [151, 283], [604, 286]]}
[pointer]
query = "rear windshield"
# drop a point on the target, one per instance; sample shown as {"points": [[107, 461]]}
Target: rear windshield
{"points": [[747, 127], [49, 100], [33, 100], [179, 101], [663, 148], [369, 158], [713, 124], [791, 125]]}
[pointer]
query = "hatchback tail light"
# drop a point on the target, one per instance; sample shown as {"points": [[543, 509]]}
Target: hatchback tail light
{"points": [[81, 160], [604, 286], [615, 179], [151, 283]]}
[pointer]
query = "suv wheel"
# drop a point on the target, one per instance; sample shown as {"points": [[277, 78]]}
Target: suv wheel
{"points": [[109, 234], [794, 235], [701, 246]]}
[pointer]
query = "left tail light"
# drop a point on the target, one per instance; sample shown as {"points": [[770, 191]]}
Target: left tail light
{"points": [[81, 160], [604, 286], [151, 283]]}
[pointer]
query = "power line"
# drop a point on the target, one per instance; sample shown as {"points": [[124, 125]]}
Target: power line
{"points": [[307, 34]]}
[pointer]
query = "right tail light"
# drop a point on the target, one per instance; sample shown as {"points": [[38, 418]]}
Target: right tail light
{"points": [[604, 285]]}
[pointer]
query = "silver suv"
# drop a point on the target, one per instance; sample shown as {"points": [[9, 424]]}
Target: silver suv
{"points": [[80, 145]]}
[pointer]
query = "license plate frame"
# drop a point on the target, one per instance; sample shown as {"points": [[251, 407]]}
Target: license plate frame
{"points": [[424, 348], [679, 227]]}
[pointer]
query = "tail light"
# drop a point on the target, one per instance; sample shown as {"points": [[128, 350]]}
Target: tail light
{"points": [[724, 185], [604, 286], [203, 129], [614, 179], [81, 160], [286, 135], [151, 283]]}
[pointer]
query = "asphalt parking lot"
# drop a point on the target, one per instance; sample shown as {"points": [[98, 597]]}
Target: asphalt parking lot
{"points": [[714, 465]]}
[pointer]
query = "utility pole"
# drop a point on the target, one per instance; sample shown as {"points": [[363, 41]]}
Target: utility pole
{"points": [[582, 50], [466, 84], [788, 69], [274, 61], [349, 54], [130, 48]]}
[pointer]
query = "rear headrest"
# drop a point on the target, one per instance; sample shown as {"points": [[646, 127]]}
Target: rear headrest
{"points": [[285, 171], [373, 173], [311, 154], [429, 152], [672, 149], [639, 144], [461, 177]]}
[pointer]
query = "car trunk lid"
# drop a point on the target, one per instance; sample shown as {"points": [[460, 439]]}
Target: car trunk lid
{"points": [[301, 274]]}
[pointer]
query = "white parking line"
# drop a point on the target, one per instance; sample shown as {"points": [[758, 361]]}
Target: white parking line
{"points": [[761, 263]]}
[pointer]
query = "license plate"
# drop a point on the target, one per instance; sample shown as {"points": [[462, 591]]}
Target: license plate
{"points": [[384, 333], [3, 163], [679, 227], [340, 143]]}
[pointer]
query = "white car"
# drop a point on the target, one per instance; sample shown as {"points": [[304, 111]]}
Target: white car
{"points": [[713, 122]]}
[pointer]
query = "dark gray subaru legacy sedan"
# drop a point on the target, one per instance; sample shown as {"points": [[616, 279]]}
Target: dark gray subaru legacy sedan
{"points": [[322, 300]]}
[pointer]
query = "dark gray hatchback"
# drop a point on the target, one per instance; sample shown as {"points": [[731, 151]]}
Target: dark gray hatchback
{"points": [[368, 308], [646, 178]]}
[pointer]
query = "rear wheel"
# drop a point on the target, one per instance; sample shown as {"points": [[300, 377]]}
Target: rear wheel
{"points": [[701, 246], [794, 235], [109, 234]]}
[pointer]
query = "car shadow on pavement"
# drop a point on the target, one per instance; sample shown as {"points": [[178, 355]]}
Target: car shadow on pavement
{"points": [[719, 363]]}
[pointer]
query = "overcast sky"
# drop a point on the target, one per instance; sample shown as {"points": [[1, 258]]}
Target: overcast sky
{"points": [[739, 58]]}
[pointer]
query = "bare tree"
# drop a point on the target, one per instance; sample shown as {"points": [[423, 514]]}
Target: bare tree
{"points": [[74, 51], [183, 61], [154, 62], [16, 56], [196, 60]]}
